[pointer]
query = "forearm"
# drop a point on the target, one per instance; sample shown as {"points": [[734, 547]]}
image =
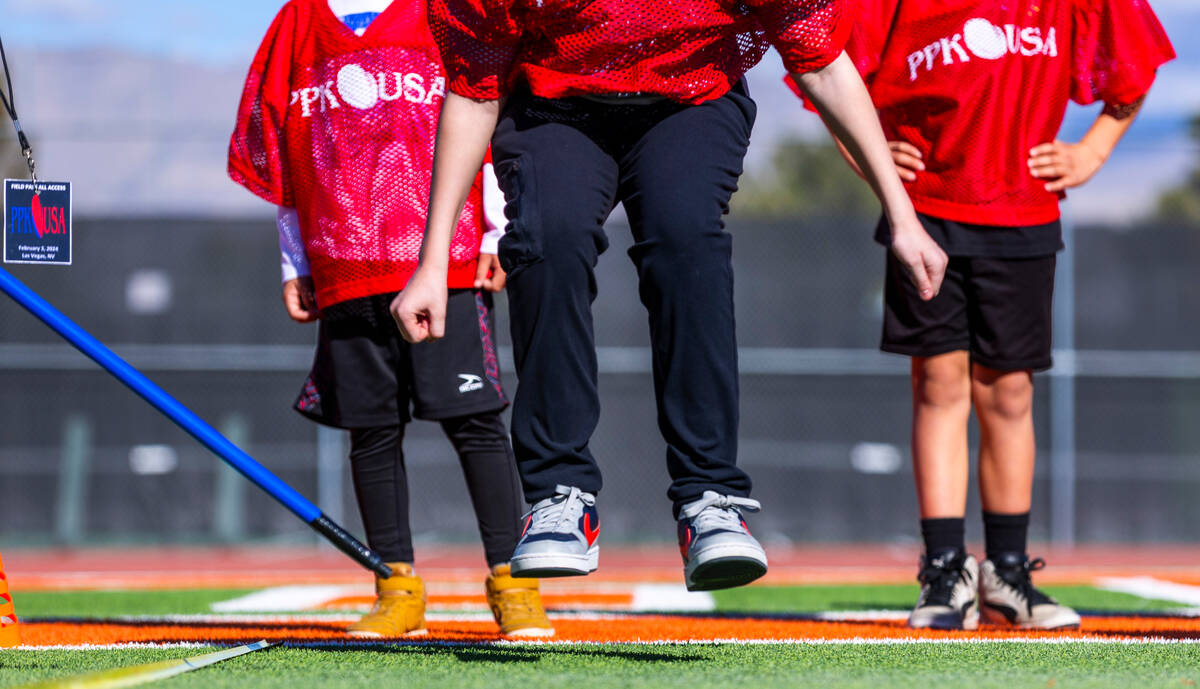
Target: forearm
{"points": [[293, 260], [841, 147], [464, 132], [842, 100], [1108, 129]]}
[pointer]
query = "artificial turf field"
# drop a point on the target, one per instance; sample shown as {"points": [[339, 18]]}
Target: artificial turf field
{"points": [[760, 636]]}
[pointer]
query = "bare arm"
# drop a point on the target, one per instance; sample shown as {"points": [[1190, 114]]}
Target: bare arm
{"points": [[841, 98], [906, 156], [1066, 165], [464, 131]]}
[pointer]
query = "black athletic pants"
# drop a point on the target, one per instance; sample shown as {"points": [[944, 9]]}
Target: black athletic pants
{"points": [[563, 165], [381, 484]]}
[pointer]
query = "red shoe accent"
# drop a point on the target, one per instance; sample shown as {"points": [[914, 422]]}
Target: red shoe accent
{"points": [[685, 544], [588, 532]]}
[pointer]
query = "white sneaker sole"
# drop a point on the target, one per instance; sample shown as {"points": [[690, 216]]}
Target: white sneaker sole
{"points": [[550, 565], [724, 566], [1063, 619], [946, 620], [377, 635], [529, 633]]}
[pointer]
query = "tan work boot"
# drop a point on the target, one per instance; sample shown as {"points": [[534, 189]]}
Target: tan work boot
{"points": [[516, 604], [399, 607]]}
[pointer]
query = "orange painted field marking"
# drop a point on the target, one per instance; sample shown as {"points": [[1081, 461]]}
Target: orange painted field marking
{"points": [[572, 601], [638, 628]]}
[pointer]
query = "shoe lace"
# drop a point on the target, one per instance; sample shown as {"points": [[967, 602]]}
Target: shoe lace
{"points": [[1019, 578], [566, 505], [715, 511], [940, 575]]}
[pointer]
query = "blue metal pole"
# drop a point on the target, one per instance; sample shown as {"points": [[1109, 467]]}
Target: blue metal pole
{"points": [[190, 422]]}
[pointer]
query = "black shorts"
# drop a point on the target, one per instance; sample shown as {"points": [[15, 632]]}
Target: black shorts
{"points": [[998, 309], [365, 375]]}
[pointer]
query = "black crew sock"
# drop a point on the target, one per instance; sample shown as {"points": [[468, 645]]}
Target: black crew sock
{"points": [[1005, 534], [941, 535]]}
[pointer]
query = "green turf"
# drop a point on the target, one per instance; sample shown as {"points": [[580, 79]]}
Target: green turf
{"points": [[877, 666], [902, 597], [872, 666], [110, 603]]}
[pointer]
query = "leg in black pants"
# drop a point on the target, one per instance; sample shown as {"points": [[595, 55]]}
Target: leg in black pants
{"points": [[563, 165], [676, 183], [381, 485], [487, 463]]}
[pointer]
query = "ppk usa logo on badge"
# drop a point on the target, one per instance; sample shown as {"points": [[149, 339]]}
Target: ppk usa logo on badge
{"points": [[37, 222]]}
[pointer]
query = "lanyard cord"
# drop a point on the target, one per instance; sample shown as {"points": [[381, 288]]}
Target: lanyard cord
{"points": [[10, 106]]}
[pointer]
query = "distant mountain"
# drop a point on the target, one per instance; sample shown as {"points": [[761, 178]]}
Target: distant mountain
{"points": [[145, 136], [136, 135]]}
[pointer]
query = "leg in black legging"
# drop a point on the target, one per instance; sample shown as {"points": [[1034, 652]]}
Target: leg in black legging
{"points": [[487, 462], [381, 484]]}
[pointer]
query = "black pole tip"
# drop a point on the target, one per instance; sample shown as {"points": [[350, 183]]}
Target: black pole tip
{"points": [[350, 545]]}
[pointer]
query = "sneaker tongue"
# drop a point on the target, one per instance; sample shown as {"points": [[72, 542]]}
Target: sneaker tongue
{"points": [[940, 572], [718, 518], [946, 558], [1015, 569]]}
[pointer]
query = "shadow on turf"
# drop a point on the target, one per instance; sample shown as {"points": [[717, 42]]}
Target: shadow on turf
{"points": [[486, 652]]}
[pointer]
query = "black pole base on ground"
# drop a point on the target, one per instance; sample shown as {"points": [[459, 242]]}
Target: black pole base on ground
{"points": [[350, 545]]}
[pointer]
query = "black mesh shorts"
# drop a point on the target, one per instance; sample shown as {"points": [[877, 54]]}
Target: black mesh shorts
{"points": [[365, 375], [998, 309]]}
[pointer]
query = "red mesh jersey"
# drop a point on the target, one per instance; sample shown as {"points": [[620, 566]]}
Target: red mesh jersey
{"points": [[975, 84], [688, 50], [342, 128]]}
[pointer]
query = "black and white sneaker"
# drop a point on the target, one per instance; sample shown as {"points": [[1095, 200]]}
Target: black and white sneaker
{"points": [[1008, 596], [949, 592]]}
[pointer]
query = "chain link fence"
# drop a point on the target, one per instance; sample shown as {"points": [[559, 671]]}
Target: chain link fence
{"points": [[824, 432]]}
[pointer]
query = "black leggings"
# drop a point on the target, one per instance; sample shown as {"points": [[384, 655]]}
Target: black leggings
{"points": [[381, 484]]}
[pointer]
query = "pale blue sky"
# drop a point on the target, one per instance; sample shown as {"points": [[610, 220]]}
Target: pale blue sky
{"points": [[211, 31]]}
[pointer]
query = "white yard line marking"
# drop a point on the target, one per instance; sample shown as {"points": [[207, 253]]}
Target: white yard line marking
{"points": [[671, 598], [341, 617], [283, 598], [1149, 587], [110, 647], [861, 615], [864, 641], [858, 641]]}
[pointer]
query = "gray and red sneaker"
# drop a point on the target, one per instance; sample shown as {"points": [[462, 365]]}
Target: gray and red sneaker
{"points": [[559, 539], [717, 548]]}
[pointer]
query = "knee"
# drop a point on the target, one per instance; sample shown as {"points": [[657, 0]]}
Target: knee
{"points": [[682, 242], [942, 382], [477, 432], [1003, 396], [378, 445]]}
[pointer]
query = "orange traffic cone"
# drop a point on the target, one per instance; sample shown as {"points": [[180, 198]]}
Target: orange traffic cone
{"points": [[9, 632]]}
